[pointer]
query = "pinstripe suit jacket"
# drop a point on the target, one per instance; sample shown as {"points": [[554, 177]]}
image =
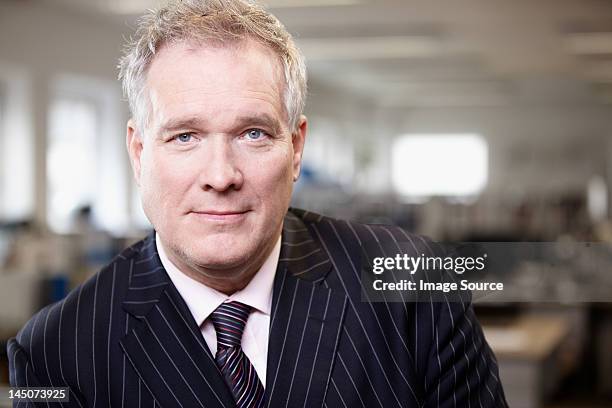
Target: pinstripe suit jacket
{"points": [[125, 338]]}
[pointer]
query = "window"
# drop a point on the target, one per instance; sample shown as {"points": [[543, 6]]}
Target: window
{"points": [[3, 148], [452, 165], [16, 146], [71, 160], [86, 160]]}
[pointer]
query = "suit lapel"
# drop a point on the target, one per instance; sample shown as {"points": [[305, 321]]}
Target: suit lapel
{"points": [[165, 346], [306, 320]]}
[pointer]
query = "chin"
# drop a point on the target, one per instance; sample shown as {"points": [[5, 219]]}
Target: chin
{"points": [[220, 255]]}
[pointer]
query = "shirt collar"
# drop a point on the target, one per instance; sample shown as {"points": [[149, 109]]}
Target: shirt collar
{"points": [[202, 300]]}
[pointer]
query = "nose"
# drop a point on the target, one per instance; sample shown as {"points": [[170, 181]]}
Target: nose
{"points": [[220, 166]]}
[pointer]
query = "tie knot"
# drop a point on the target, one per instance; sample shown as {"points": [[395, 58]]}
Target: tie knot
{"points": [[229, 320]]}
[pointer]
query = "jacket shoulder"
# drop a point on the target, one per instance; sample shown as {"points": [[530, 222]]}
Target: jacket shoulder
{"points": [[368, 238]]}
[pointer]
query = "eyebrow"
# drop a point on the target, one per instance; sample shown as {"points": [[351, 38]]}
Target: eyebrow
{"points": [[262, 120], [255, 120], [180, 123]]}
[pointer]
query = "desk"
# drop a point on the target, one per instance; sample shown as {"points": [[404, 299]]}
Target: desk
{"points": [[532, 357]]}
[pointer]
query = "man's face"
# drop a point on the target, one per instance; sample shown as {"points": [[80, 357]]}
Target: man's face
{"points": [[217, 161]]}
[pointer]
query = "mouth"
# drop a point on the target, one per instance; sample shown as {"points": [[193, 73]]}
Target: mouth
{"points": [[220, 215]]}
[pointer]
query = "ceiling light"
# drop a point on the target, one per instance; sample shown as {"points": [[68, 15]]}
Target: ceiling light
{"points": [[370, 47], [308, 3], [590, 43]]}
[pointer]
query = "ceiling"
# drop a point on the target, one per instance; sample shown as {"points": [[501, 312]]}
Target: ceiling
{"points": [[432, 53]]}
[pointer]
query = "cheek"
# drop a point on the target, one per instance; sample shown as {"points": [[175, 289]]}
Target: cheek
{"points": [[162, 180], [274, 176]]}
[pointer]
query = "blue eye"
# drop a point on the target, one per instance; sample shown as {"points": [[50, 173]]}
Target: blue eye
{"points": [[254, 134], [184, 137]]}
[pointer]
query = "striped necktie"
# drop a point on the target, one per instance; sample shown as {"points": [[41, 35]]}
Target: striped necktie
{"points": [[229, 320]]}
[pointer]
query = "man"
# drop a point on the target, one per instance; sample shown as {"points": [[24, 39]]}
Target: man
{"points": [[236, 300]]}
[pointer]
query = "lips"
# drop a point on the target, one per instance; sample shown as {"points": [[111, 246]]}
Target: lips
{"points": [[219, 212], [220, 215]]}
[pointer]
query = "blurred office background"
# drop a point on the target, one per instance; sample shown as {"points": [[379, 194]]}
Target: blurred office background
{"points": [[462, 120]]}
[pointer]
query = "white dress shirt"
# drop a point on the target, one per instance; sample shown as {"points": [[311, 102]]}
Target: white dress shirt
{"points": [[203, 300]]}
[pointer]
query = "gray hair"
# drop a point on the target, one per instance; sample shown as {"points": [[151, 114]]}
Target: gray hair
{"points": [[217, 21]]}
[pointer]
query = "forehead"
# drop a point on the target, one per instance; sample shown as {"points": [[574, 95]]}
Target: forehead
{"points": [[206, 77]]}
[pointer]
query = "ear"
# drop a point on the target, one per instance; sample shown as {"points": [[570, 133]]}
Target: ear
{"points": [[134, 141], [297, 139]]}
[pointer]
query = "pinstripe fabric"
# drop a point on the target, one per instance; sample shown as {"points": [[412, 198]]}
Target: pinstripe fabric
{"points": [[125, 338], [229, 320]]}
